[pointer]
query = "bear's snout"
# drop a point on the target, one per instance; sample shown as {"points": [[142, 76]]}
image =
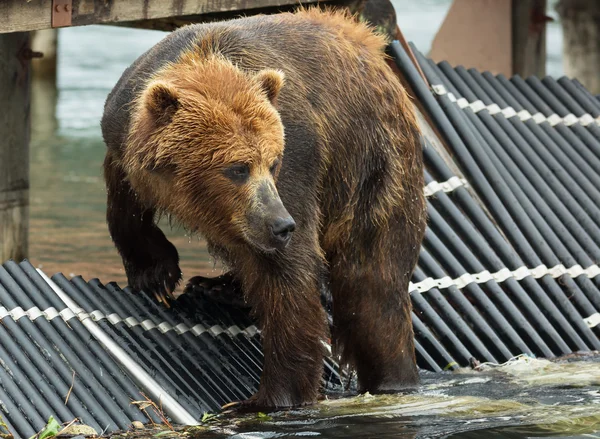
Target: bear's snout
{"points": [[270, 224], [281, 231]]}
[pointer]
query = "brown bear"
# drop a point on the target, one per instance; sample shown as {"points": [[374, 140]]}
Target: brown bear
{"points": [[290, 145]]}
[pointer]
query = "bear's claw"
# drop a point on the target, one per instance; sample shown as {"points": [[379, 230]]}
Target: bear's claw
{"points": [[157, 282]]}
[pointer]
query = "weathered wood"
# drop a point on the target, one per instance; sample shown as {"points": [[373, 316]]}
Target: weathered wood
{"points": [[44, 42], [15, 82], [580, 20], [529, 37], [21, 15]]}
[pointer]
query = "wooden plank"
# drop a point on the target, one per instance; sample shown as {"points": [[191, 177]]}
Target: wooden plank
{"points": [[580, 21], [15, 86], [22, 15], [529, 37]]}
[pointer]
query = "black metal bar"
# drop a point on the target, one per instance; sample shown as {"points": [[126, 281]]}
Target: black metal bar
{"points": [[594, 100], [34, 386], [31, 405], [69, 352], [427, 340], [584, 100], [578, 138], [565, 99], [234, 363], [537, 92], [507, 98], [141, 350], [518, 239], [531, 107], [20, 425], [89, 355], [28, 335], [505, 207], [217, 384], [556, 106], [457, 81], [124, 380], [520, 326], [186, 383], [474, 86], [445, 335], [424, 360], [542, 216], [522, 176], [475, 292], [459, 327]]}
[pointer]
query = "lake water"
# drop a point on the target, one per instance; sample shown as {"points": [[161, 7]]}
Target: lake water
{"points": [[68, 234]]}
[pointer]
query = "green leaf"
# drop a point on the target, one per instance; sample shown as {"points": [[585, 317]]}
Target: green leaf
{"points": [[207, 417], [263, 416], [51, 429]]}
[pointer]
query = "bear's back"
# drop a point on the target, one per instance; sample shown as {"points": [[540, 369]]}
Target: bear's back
{"points": [[307, 46]]}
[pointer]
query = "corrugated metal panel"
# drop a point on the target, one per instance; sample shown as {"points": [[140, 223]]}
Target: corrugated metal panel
{"points": [[531, 151], [200, 354]]}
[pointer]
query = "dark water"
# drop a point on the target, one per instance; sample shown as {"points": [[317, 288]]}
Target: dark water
{"points": [[69, 234], [524, 398]]}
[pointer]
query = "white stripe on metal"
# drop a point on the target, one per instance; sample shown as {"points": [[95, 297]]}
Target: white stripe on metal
{"points": [[593, 320], [179, 414], [502, 275], [114, 318], [449, 185], [508, 112], [34, 313], [51, 313]]}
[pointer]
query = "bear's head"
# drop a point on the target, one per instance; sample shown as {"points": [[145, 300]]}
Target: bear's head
{"points": [[206, 145]]}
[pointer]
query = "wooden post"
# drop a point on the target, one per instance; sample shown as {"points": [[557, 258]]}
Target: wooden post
{"points": [[580, 20], [529, 37], [15, 80], [45, 42]]}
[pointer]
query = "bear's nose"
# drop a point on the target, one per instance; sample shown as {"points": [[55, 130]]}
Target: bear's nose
{"points": [[282, 229]]}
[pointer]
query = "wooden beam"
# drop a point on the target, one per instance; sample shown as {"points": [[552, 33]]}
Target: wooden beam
{"points": [[21, 15], [529, 37], [580, 20], [15, 86]]}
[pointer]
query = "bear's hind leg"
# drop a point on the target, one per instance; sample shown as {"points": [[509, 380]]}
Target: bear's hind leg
{"points": [[372, 326], [151, 262]]}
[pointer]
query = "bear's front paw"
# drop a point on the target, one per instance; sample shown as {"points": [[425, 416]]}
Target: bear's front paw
{"points": [[157, 281], [222, 289]]}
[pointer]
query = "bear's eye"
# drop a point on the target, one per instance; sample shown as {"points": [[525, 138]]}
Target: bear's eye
{"points": [[274, 167], [238, 173]]}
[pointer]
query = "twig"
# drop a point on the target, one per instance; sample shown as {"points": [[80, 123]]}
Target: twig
{"points": [[67, 426], [70, 389]]}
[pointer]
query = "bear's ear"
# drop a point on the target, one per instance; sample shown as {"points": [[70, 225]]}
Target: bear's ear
{"points": [[161, 101], [271, 82]]}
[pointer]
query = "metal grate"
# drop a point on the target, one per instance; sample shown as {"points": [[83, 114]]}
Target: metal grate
{"points": [[530, 149], [108, 349]]}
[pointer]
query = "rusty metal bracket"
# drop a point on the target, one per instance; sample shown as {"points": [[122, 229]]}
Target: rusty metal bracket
{"points": [[62, 11]]}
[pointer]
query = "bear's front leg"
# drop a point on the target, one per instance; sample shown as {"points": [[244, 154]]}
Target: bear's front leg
{"points": [[285, 299], [151, 262]]}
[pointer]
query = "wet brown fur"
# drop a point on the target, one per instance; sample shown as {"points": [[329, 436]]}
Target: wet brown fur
{"points": [[351, 178]]}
